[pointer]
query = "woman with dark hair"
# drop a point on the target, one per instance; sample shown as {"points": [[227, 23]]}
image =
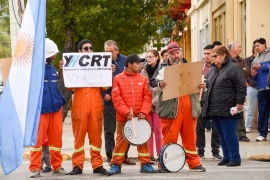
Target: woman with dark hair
{"points": [[225, 88], [152, 63], [164, 54]]}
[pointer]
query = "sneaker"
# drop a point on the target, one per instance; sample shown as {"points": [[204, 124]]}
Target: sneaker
{"points": [[163, 170], [152, 160], [147, 168], [100, 170], [129, 162], [34, 174], [114, 169], [76, 170], [198, 169], [60, 171], [260, 138], [244, 139], [217, 157], [47, 169], [248, 130]]}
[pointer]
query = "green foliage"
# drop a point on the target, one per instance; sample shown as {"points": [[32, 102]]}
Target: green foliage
{"points": [[5, 50], [131, 23]]}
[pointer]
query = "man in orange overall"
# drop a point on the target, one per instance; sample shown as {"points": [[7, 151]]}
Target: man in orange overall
{"points": [[178, 115], [50, 124], [130, 90], [86, 115]]}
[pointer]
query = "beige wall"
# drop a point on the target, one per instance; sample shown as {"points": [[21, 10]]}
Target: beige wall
{"points": [[231, 20], [258, 21]]}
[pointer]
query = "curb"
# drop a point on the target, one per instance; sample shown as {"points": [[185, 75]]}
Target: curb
{"points": [[264, 157]]}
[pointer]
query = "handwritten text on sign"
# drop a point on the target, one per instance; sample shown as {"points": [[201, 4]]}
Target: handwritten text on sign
{"points": [[87, 69]]}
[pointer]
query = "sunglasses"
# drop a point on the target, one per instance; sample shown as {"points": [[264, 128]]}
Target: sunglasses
{"points": [[215, 56], [86, 48]]}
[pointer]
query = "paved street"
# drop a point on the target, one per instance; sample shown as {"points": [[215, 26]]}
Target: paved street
{"points": [[249, 169]]}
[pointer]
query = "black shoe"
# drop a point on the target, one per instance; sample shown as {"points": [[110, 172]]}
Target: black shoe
{"points": [[223, 162], [233, 163], [198, 169], [46, 169], [100, 170], [217, 157], [201, 155], [162, 170], [129, 162], [244, 138], [76, 170]]}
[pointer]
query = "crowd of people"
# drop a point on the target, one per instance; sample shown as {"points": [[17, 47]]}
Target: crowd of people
{"points": [[137, 90]]}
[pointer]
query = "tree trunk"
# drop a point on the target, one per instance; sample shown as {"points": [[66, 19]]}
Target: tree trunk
{"points": [[67, 48]]}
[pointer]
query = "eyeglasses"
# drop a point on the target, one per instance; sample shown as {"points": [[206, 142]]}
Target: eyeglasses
{"points": [[86, 48], [215, 56], [147, 57]]}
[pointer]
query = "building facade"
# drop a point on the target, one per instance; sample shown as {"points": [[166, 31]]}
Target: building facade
{"points": [[226, 21]]}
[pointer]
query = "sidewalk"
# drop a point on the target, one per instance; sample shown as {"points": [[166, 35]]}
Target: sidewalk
{"points": [[252, 150]]}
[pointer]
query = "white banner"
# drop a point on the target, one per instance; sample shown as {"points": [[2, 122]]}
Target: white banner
{"points": [[87, 69]]}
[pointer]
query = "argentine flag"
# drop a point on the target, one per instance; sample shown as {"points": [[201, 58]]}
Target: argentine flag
{"points": [[20, 104]]}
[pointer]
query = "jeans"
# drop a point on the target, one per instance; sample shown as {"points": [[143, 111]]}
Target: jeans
{"points": [[251, 103], [226, 129], [263, 106], [200, 132], [109, 116]]}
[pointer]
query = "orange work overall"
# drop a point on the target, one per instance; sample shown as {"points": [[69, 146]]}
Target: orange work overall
{"points": [[51, 126], [184, 124], [122, 145], [86, 114]]}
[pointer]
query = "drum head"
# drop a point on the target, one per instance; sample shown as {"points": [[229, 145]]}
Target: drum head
{"points": [[172, 157], [143, 131]]}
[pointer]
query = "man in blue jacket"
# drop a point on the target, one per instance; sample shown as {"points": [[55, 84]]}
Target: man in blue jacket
{"points": [[50, 124]]}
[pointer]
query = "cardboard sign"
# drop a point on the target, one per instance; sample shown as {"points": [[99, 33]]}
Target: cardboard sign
{"points": [[5, 67], [182, 79], [87, 69]]}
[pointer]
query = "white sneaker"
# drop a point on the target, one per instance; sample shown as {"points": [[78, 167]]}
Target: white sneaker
{"points": [[35, 174], [60, 171], [248, 130], [260, 138]]}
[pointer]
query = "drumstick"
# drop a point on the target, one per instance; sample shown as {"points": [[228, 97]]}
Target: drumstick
{"points": [[133, 124], [201, 89]]}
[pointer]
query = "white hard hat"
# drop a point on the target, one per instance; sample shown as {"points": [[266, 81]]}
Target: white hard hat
{"points": [[50, 48]]}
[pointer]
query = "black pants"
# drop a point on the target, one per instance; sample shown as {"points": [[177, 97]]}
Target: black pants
{"points": [[109, 123], [200, 131]]}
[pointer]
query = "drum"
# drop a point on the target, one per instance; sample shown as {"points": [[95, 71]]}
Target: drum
{"points": [[172, 157], [143, 132]]}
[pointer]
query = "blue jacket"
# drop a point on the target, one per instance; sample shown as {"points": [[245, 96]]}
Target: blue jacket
{"points": [[52, 100], [120, 66], [261, 77]]}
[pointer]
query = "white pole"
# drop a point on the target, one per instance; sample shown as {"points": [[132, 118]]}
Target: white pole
{"points": [[16, 9]]}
